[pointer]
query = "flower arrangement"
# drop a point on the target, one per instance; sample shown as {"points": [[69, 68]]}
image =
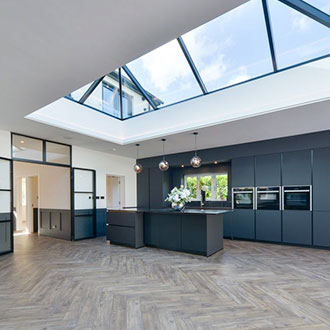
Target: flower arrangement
{"points": [[205, 188], [178, 197]]}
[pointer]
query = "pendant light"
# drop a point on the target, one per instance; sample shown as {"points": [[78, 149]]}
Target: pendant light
{"points": [[196, 161], [163, 165], [137, 167]]}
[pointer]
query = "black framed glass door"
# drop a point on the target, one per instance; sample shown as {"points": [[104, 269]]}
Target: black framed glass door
{"points": [[6, 206], [83, 203]]}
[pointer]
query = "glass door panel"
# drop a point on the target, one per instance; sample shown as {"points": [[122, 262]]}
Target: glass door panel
{"points": [[84, 204], [6, 226]]}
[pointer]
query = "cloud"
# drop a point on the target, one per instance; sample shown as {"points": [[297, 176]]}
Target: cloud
{"points": [[242, 75], [301, 23]]}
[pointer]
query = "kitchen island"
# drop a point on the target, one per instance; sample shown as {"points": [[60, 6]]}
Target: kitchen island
{"points": [[196, 231]]}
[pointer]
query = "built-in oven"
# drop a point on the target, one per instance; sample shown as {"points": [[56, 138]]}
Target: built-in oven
{"points": [[297, 198], [243, 198], [268, 198]]}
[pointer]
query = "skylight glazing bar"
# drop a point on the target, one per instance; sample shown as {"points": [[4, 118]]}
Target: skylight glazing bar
{"points": [[308, 10], [120, 94], [140, 88], [192, 65], [270, 34], [90, 90]]}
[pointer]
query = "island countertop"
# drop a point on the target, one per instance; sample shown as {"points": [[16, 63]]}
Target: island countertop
{"points": [[206, 211]]}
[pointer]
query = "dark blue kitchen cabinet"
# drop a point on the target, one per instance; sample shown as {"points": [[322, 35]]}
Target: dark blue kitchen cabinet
{"points": [[297, 227], [243, 224], [242, 172], [297, 168], [268, 170], [227, 219], [169, 226], [321, 229], [159, 186], [151, 230], [143, 189], [268, 225], [321, 179]]}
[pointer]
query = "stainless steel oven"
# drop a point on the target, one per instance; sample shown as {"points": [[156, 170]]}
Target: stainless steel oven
{"points": [[268, 198], [297, 198], [243, 198]]}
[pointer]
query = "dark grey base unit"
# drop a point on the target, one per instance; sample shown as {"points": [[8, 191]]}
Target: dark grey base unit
{"points": [[297, 227], [125, 228], [192, 233], [269, 225], [227, 220], [321, 229], [243, 224], [55, 223]]}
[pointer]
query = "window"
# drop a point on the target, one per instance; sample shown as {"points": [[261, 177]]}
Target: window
{"points": [[231, 48], [111, 99], [216, 183], [58, 153], [27, 148]]}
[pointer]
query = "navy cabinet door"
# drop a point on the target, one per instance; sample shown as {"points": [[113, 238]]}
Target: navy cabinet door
{"points": [[159, 187], [227, 219], [169, 231], [242, 171], [143, 188], [268, 170], [297, 168], [243, 224], [297, 227], [321, 229], [151, 230], [321, 179], [268, 225]]}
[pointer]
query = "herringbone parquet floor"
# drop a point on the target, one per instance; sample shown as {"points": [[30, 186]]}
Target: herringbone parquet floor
{"points": [[54, 284]]}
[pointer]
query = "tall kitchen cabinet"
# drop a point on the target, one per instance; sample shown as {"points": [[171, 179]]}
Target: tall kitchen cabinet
{"points": [[321, 197], [159, 186], [297, 171], [143, 189], [268, 174], [242, 220]]}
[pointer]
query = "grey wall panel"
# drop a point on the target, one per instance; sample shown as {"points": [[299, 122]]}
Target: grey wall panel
{"points": [[55, 223], [297, 168], [268, 170], [321, 229], [268, 225], [242, 172], [5, 217], [297, 227], [243, 224], [5, 237], [321, 179], [143, 189], [101, 216], [193, 233], [227, 219]]}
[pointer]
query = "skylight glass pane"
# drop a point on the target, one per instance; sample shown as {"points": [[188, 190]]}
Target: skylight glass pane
{"points": [[106, 96], [165, 74], [297, 37], [231, 48], [323, 5], [134, 102], [76, 95]]}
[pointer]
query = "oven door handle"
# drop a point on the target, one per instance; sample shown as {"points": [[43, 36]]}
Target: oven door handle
{"points": [[282, 199], [297, 191], [268, 192]]}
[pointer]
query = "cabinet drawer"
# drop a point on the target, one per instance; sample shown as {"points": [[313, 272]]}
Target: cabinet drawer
{"points": [[121, 235], [121, 219]]}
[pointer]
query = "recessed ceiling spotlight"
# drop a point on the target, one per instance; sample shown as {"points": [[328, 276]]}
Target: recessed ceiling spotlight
{"points": [[182, 166], [114, 149], [22, 141], [215, 162]]}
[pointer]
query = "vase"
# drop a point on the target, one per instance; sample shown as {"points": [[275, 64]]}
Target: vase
{"points": [[178, 207], [203, 198]]}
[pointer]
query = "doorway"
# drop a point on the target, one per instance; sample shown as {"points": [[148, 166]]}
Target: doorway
{"points": [[115, 191], [26, 204]]}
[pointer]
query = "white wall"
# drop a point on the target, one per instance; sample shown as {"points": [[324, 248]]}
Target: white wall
{"points": [[5, 144], [106, 164], [54, 184]]}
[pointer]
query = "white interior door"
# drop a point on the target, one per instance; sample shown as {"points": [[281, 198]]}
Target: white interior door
{"points": [[6, 218]]}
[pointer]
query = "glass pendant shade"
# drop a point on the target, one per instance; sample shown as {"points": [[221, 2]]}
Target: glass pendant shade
{"points": [[196, 161], [164, 165], [137, 167]]}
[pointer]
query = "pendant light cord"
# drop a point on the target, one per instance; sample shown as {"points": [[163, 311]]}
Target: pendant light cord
{"points": [[195, 144]]}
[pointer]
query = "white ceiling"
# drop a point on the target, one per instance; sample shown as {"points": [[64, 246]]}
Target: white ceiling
{"points": [[50, 48]]}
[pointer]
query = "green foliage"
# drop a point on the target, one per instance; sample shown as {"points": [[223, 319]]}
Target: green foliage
{"points": [[206, 181], [222, 187], [192, 186]]}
